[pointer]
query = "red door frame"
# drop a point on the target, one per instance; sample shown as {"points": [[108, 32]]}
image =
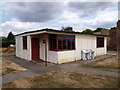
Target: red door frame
{"points": [[35, 52]]}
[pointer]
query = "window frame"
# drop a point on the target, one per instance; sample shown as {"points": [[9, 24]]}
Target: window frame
{"points": [[24, 42], [97, 43], [58, 38]]}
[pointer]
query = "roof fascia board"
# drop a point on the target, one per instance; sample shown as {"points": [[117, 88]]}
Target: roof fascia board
{"points": [[33, 33]]}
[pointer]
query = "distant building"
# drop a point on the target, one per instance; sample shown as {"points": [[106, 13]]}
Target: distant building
{"points": [[118, 35], [104, 31], [112, 40]]}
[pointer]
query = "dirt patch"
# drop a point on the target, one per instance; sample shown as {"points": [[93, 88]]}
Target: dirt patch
{"points": [[24, 83], [65, 79], [10, 67], [109, 64], [4, 52]]}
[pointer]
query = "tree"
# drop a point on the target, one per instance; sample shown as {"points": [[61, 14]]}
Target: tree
{"points": [[97, 30], [87, 31], [67, 29], [10, 36], [5, 42]]}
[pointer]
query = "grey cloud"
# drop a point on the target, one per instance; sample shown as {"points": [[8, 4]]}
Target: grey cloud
{"points": [[100, 24], [85, 9], [35, 11]]}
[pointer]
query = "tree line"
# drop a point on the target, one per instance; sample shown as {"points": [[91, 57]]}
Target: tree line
{"points": [[87, 31], [6, 41]]}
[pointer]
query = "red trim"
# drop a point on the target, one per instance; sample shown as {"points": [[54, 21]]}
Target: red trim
{"points": [[65, 42], [63, 50], [56, 42], [75, 42]]}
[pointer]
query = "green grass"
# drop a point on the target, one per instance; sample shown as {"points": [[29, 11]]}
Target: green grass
{"points": [[7, 55]]}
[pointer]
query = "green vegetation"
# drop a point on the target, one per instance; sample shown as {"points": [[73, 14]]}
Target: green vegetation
{"points": [[5, 42], [97, 30], [87, 31], [10, 36], [67, 29]]}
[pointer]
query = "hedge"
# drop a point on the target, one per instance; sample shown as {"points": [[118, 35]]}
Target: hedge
{"points": [[6, 43]]}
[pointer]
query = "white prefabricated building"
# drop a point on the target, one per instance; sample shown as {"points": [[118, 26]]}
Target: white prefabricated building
{"points": [[57, 46]]}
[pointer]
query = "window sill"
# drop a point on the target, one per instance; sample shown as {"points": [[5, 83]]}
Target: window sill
{"points": [[24, 49], [100, 47], [62, 50]]}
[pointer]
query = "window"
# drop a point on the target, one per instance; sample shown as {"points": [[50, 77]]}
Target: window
{"points": [[61, 42], [52, 42], [24, 42], [100, 42]]}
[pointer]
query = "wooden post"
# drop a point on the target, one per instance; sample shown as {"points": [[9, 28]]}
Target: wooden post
{"points": [[46, 50]]}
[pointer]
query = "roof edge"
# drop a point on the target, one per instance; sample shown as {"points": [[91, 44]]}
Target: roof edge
{"points": [[53, 30]]}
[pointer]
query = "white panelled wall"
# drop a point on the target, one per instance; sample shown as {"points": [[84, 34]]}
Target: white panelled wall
{"points": [[20, 52]]}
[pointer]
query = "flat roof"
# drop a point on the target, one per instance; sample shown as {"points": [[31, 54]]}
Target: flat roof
{"points": [[59, 31]]}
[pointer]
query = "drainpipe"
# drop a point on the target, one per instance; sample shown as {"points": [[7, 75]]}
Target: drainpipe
{"points": [[46, 50]]}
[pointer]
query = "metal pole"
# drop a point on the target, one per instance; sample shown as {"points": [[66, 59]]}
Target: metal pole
{"points": [[46, 50]]}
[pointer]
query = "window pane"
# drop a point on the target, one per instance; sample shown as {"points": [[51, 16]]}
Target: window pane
{"points": [[100, 42], [52, 42], [60, 44], [24, 42], [65, 36], [69, 44], [64, 44], [73, 44]]}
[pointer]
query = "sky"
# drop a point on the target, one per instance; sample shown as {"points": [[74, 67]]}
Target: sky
{"points": [[20, 17]]}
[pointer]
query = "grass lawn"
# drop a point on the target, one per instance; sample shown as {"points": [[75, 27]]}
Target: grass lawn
{"points": [[8, 66], [65, 79], [108, 64], [4, 53]]}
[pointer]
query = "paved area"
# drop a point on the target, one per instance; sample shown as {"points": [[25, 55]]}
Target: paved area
{"points": [[92, 71], [36, 69], [33, 70], [81, 62], [17, 76]]}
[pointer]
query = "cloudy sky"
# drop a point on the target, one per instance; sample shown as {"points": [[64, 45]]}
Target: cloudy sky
{"points": [[26, 16]]}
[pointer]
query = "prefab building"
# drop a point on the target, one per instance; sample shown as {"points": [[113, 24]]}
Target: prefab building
{"points": [[57, 46]]}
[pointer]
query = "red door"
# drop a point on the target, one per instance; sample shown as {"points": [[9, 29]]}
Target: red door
{"points": [[35, 48]]}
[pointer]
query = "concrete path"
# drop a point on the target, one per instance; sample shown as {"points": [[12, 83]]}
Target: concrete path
{"points": [[35, 69], [92, 71], [81, 62], [72, 66], [20, 75], [17, 76]]}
